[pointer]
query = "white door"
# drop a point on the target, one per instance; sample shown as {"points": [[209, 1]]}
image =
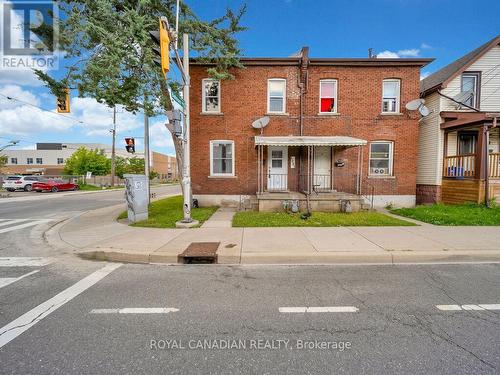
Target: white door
{"points": [[278, 168], [322, 168]]}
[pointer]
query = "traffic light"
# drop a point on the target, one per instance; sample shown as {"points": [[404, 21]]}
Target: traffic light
{"points": [[130, 145], [63, 103], [164, 47]]}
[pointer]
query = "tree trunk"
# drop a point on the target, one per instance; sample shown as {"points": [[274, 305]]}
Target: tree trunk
{"points": [[178, 153]]}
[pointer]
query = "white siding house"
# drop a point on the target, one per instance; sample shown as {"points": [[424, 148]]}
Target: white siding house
{"points": [[463, 97]]}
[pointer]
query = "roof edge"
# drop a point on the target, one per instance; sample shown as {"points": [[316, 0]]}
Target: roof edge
{"points": [[325, 61]]}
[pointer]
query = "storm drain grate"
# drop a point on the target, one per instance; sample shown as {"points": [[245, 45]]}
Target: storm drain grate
{"points": [[199, 253]]}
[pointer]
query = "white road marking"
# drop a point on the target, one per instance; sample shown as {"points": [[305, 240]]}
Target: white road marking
{"points": [[325, 309], [24, 225], [11, 221], [10, 331], [24, 261], [9, 280], [136, 310], [480, 307]]}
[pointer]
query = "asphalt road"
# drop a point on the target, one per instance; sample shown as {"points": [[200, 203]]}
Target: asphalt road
{"points": [[62, 315]]}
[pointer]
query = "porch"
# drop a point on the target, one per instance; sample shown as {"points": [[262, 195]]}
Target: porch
{"points": [[309, 172], [471, 161]]}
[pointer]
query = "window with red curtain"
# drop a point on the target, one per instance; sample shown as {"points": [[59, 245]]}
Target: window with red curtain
{"points": [[328, 95]]}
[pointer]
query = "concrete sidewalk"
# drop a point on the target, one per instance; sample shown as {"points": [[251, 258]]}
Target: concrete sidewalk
{"points": [[97, 235]]}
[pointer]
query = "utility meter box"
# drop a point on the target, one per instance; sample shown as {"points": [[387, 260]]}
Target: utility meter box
{"points": [[136, 195]]}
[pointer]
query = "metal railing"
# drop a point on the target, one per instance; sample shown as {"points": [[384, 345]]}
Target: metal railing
{"points": [[460, 166], [277, 181]]}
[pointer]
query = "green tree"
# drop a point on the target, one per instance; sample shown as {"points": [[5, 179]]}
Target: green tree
{"points": [[111, 51], [3, 161], [135, 165], [84, 160]]}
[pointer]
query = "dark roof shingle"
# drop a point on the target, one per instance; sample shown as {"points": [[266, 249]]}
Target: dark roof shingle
{"points": [[438, 78]]}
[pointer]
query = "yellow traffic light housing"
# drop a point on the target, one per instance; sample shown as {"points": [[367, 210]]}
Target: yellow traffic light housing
{"points": [[63, 103], [164, 47]]}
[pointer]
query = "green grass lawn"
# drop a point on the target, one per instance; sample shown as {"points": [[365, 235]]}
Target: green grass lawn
{"points": [[85, 187], [318, 219], [465, 214], [165, 212]]}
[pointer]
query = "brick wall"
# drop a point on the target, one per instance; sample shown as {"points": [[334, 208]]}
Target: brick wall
{"points": [[244, 99], [427, 194]]}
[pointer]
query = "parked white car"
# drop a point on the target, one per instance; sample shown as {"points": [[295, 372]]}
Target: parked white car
{"points": [[13, 183]]}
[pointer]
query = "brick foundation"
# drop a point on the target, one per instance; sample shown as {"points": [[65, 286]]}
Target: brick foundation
{"points": [[428, 194]]}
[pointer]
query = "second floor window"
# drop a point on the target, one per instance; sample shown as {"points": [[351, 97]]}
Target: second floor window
{"points": [[276, 95], [390, 95], [13, 160], [328, 96], [39, 161], [211, 96], [60, 161], [29, 160], [470, 89]]}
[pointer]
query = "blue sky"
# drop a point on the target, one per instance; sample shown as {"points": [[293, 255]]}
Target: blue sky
{"points": [[443, 29]]}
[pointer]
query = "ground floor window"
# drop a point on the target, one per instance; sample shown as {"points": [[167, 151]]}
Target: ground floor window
{"points": [[221, 158], [381, 158]]}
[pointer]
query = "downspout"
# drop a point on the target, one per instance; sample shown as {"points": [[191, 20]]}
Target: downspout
{"points": [[303, 78]]}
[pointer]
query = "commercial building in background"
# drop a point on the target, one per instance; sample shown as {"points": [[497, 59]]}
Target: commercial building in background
{"points": [[337, 131], [50, 158]]}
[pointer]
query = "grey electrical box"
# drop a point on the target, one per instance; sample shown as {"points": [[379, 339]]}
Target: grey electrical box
{"points": [[136, 195], [177, 122]]}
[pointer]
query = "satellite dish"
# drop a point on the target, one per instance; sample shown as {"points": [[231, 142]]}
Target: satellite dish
{"points": [[414, 104], [260, 123], [418, 104], [424, 111]]}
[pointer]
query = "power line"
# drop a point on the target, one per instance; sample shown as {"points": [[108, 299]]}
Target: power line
{"points": [[43, 109]]}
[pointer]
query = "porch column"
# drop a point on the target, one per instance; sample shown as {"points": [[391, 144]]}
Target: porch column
{"points": [[481, 153]]}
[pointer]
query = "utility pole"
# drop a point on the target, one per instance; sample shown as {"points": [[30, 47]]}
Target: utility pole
{"points": [[146, 150], [113, 149], [186, 178]]}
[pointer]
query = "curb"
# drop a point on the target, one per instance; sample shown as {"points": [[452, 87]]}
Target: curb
{"points": [[334, 258], [63, 194]]}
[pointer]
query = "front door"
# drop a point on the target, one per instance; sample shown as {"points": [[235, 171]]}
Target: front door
{"points": [[277, 179], [322, 168]]}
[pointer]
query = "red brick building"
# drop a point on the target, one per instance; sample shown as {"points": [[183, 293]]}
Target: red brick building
{"points": [[338, 130]]}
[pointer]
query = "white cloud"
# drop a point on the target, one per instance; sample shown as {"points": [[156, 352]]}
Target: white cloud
{"points": [[424, 75], [20, 77], [160, 136], [425, 46], [97, 118], [15, 91], [411, 52], [387, 55]]}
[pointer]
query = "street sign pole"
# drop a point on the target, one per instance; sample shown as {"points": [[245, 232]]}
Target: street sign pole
{"points": [[186, 178]]}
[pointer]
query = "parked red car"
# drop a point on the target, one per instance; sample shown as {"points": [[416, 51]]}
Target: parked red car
{"points": [[54, 185]]}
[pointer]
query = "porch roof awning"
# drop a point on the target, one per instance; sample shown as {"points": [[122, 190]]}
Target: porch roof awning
{"points": [[308, 141]]}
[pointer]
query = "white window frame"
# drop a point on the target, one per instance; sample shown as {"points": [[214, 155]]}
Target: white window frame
{"points": [[269, 96], [475, 94], [335, 95], [391, 159], [41, 161], [28, 161], [13, 161], [61, 159], [398, 95], [203, 95], [223, 141]]}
